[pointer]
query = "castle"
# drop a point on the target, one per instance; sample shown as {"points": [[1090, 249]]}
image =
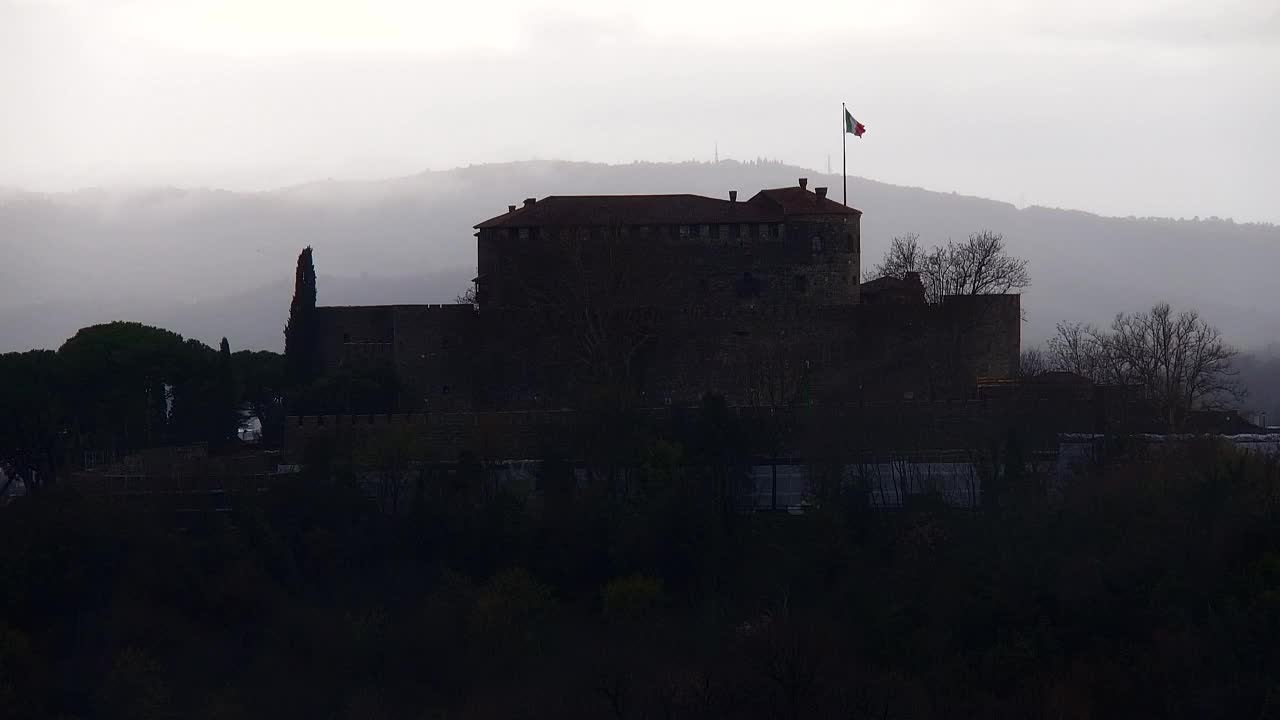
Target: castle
{"points": [[584, 306], [656, 300]]}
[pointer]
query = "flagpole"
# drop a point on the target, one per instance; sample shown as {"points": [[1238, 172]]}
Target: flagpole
{"points": [[844, 154]]}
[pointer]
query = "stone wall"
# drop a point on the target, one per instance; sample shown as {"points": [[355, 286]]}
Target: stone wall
{"points": [[754, 353], [431, 347], [813, 261], [871, 431]]}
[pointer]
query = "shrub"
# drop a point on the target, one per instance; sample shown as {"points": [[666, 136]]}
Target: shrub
{"points": [[631, 597]]}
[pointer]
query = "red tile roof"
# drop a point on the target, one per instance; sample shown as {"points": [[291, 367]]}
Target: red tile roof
{"points": [[766, 207], [631, 210], [890, 282], [799, 201]]}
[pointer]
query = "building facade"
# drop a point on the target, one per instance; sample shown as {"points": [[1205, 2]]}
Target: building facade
{"points": [[656, 300]]}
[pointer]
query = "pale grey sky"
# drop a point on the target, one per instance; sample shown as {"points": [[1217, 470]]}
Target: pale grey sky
{"points": [[1146, 107]]}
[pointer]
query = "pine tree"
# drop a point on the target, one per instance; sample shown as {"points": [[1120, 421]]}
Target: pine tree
{"points": [[299, 333]]}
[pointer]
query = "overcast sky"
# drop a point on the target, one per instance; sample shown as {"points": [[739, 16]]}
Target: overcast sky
{"points": [[1146, 107]]}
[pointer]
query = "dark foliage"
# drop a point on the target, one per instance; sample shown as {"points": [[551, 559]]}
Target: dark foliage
{"points": [[115, 388], [300, 330], [351, 390], [33, 414], [261, 381], [1150, 589]]}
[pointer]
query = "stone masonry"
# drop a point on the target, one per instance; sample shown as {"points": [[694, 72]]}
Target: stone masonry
{"points": [[663, 298]]}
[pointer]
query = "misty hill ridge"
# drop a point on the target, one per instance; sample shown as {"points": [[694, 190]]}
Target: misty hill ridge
{"points": [[196, 260]]}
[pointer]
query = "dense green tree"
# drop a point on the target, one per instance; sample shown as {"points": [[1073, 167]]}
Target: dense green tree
{"points": [[131, 386], [299, 332], [33, 417], [261, 382], [121, 377], [350, 390]]}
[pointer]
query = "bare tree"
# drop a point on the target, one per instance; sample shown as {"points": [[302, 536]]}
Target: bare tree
{"points": [[979, 266], [1180, 361], [1032, 362], [982, 266], [470, 296], [1084, 350], [903, 256]]}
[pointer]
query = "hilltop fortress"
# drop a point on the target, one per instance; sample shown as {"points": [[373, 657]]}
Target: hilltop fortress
{"points": [[656, 300]]}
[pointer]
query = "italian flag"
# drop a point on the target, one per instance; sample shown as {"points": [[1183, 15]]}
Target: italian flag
{"points": [[853, 126]]}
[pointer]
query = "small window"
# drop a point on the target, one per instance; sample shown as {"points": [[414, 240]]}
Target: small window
{"points": [[748, 286], [800, 283], [736, 232], [523, 233], [346, 338], [850, 244], [775, 229], [684, 232], [444, 343], [704, 285], [444, 390], [816, 242]]}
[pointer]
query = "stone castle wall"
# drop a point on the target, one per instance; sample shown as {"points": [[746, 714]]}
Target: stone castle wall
{"points": [[813, 261], [431, 348], [764, 313], [754, 353]]}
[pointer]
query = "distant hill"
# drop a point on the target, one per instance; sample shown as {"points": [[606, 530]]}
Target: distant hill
{"points": [[208, 263]]}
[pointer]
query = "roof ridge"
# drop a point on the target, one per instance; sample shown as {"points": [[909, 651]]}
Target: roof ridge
{"points": [[630, 195]]}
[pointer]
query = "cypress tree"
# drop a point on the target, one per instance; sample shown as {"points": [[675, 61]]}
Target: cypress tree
{"points": [[228, 403], [299, 333]]}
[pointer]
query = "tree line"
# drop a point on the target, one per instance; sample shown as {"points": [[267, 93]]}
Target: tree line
{"points": [[1176, 360], [1145, 586], [119, 387]]}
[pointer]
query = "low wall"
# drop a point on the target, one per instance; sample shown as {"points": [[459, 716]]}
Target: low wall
{"points": [[889, 429]]}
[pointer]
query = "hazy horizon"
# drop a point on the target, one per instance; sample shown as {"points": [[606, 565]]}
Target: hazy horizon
{"points": [[1139, 108], [143, 187]]}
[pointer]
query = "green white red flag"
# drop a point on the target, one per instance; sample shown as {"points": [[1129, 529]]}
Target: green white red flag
{"points": [[853, 126]]}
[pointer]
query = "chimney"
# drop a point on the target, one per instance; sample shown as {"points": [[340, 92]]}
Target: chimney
{"points": [[804, 183], [528, 202], [511, 208], [733, 196], [822, 192]]}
